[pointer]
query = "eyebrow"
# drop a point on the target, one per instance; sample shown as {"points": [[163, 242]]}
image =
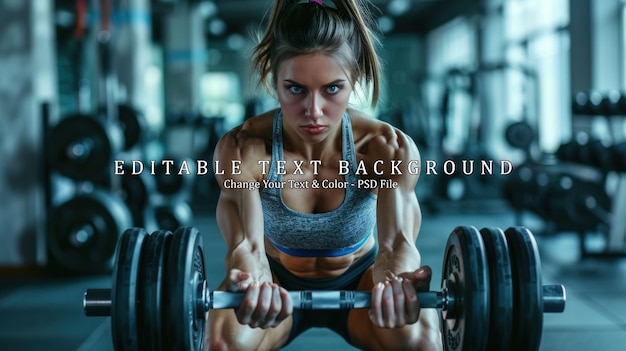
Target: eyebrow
{"points": [[331, 83]]}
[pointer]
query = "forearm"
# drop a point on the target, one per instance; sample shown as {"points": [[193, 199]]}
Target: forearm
{"points": [[241, 224], [399, 257], [249, 258], [397, 232]]}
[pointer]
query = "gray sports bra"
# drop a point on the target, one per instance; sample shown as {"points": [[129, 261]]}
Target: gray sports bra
{"points": [[328, 234]]}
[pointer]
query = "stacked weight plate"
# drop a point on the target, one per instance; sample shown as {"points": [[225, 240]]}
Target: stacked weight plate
{"points": [[155, 296]]}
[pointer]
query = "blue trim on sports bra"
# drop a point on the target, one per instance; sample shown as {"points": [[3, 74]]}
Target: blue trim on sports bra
{"points": [[322, 252]]}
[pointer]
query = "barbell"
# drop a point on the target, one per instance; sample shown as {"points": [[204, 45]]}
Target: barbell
{"points": [[491, 294]]}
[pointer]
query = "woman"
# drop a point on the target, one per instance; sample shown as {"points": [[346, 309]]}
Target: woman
{"points": [[298, 208]]}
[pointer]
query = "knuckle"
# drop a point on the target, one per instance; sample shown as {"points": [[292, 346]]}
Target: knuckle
{"points": [[274, 310], [246, 307], [243, 318], [388, 300], [264, 305], [398, 293], [413, 317]]}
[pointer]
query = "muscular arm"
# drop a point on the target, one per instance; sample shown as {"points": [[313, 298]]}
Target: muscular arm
{"points": [[398, 213], [240, 219], [239, 214], [397, 320]]}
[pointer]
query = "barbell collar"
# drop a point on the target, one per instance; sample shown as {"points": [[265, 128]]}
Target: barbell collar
{"points": [[448, 293], [554, 298], [97, 302]]}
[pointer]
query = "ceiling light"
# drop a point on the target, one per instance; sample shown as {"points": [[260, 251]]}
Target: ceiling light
{"points": [[216, 27], [386, 24], [398, 7]]}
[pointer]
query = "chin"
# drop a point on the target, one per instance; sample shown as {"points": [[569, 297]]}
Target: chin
{"points": [[317, 139]]}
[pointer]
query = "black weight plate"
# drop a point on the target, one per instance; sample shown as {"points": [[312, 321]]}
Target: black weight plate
{"points": [[465, 265], [501, 284], [549, 186], [83, 231], [520, 135], [618, 153], [517, 187], [568, 151], [586, 205], [173, 215], [168, 180], [594, 104], [185, 318], [579, 103], [124, 293], [152, 279], [600, 155], [134, 125], [170, 216], [138, 217], [168, 183], [614, 103], [527, 289], [550, 205], [136, 189], [82, 147]]}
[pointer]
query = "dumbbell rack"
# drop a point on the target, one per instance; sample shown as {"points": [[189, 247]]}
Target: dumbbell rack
{"points": [[611, 107]]}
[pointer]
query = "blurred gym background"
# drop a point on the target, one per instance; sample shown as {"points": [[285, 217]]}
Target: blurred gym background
{"points": [[83, 83]]}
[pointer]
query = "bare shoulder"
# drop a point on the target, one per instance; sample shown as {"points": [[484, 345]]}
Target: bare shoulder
{"points": [[379, 140], [246, 144]]}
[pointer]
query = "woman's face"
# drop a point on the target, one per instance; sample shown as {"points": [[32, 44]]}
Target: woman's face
{"points": [[313, 91]]}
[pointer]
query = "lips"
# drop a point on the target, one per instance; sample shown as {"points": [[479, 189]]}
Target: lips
{"points": [[314, 129]]}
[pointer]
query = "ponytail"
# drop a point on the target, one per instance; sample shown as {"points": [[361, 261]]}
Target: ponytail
{"points": [[368, 60]]}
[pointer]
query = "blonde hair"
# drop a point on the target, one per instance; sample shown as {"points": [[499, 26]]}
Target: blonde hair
{"points": [[344, 31]]}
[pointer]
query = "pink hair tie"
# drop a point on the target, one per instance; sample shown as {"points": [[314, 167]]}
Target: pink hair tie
{"points": [[326, 3]]}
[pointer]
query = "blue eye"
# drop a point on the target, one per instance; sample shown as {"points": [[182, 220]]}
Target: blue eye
{"points": [[295, 89], [333, 89]]}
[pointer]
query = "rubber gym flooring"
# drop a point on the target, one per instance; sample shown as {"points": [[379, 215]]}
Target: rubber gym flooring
{"points": [[46, 313]]}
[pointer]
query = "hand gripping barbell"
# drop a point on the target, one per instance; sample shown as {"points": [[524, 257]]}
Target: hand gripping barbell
{"points": [[491, 296]]}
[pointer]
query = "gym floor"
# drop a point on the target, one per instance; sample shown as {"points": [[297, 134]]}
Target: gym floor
{"points": [[47, 312]]}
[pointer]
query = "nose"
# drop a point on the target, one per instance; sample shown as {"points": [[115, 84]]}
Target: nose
{"points": [[314, 106]]}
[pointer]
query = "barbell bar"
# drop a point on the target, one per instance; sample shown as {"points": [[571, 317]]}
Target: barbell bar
{"points": [[97, 302]]}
